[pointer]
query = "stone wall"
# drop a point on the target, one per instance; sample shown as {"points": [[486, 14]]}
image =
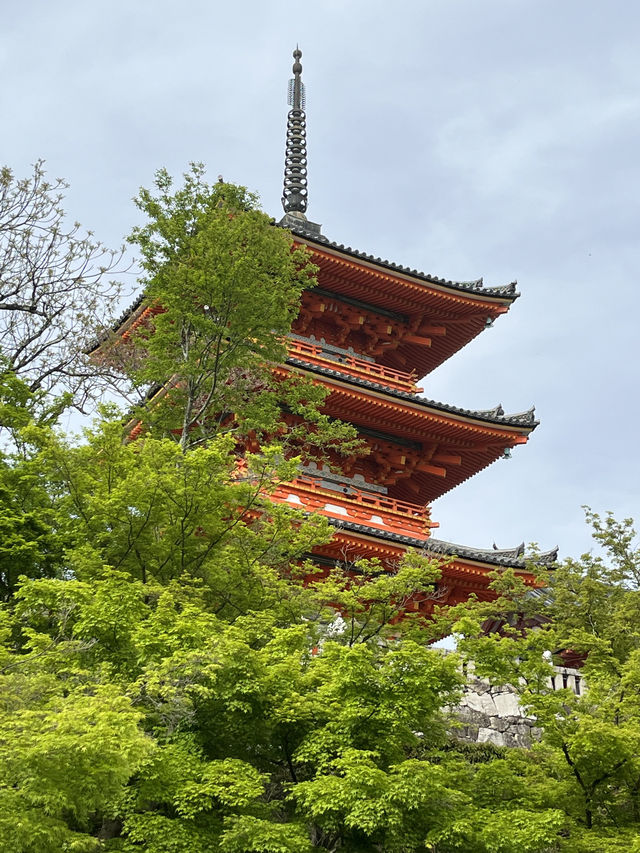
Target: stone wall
{"points": [[489, 714]]}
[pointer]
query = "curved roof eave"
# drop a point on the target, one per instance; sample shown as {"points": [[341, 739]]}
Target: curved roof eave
{"points": [[476, 287], [493, 416], [506, 557], [508, 292], [128, 315], [509, 558]]}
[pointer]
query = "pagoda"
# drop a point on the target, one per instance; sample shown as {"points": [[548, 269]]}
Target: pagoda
{"points": [[368, 332]]}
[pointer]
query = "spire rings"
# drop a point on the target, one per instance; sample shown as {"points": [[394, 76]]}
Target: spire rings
{"points": [[294, 197]]}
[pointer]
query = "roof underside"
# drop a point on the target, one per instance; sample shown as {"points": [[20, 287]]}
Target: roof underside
{"points": [[462, 309], [494, 416], [419, 301], [477, 438], [506, 292]]}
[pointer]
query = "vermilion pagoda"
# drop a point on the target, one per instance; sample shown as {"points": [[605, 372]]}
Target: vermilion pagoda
{"points": [[368, 332]]}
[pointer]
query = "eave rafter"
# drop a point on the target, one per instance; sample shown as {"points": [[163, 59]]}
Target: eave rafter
{"points": [[414, 470], [460, 576], [398, 288], [429, 321], [407, 418], [363, 328]]}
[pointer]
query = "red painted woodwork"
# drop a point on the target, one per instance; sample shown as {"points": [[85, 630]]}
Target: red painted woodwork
{"points": [[372, 510], [434, 320], [367, 333]]}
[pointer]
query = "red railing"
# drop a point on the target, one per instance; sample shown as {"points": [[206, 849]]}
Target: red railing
{"points": [[359, 507], [314, 354]]}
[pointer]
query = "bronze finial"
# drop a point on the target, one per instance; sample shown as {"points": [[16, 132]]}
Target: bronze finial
{"points": [[294, 196]]}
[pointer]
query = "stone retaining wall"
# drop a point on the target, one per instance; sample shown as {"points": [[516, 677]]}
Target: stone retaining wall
{"points": [[489, 714]]}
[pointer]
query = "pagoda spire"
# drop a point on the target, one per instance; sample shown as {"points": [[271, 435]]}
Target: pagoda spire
{"points": [[294, 196]]}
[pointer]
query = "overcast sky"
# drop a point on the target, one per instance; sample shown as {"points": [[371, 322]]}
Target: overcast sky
{"points": [[467, 138]]}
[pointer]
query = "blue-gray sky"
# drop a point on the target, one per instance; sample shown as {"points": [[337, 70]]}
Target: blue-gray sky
{"points": [[496, 138]]}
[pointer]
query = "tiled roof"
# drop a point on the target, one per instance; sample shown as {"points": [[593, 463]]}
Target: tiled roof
{"points": [[507, 291], [118, 323], [512, 558], [507, 557], [376, 532], [129, 311], [494, 416]]}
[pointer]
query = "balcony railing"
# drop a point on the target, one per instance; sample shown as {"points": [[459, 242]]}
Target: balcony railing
{"points": [[315, 354], [359, 507]]}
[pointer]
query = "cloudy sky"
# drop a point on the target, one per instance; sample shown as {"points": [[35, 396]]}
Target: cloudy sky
{"points": [[467, 138]]}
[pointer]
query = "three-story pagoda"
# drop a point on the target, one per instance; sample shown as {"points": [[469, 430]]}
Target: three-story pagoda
{"points": [[369, 332]]}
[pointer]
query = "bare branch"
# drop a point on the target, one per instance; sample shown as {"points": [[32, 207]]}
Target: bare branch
{"points": [[55, 295]]}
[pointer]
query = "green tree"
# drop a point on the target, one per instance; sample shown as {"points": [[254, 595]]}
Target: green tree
{"points": [[182, 633], [227, 732], [591, 742], [29, 544], [174, 676], [224, 285], [149, 509], [195, 681]]}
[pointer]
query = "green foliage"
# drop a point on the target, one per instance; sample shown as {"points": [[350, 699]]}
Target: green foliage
{"points": [[212, 721], [29, 544], [180, 683], [227, 286], [591, 741], [16, 410], [178, 630], [70, 738], [371, 600], [262, 836], [175, 678]]}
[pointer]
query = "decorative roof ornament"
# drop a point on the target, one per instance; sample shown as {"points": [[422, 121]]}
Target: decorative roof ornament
{"points": [[294, 196], [513, 557]]}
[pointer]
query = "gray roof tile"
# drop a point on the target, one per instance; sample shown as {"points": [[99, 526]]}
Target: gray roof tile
{"points": [[507, 557], [513, 558], [495, 415], [506, 291]]}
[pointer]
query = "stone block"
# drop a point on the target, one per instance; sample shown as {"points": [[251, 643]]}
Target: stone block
{"points": [[489, 706], [513, 740], [477, 718], [467, 733], [507, 704], [521, 730], [473, 700], [491, 736]]}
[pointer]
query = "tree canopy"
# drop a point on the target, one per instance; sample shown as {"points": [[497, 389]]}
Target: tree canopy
{"points": [[224, 286], [173, 678], [589, 612], [176, 677]]}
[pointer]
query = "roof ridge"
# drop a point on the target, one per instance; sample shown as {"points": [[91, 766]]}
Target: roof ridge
{"points": [[507, 558], [526, 417], [495, 415], [476, 285], [514, 557]]}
